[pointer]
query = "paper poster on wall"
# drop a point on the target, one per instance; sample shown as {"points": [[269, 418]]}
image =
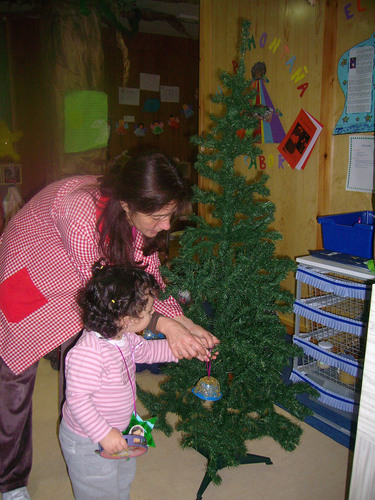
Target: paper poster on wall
{"points": [[169, 94], [85, 120], [356, 74], [148, 81], [297, 145], [151, 105], [128, 96], [361, 164]]}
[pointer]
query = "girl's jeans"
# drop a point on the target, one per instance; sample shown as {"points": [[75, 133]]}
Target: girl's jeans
{"points": [[92, 476]]}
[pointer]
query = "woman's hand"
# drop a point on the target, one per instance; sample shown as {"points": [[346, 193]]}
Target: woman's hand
{"points": [[186, 339], [114, 442]]}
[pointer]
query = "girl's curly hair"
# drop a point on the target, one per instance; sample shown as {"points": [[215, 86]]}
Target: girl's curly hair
{"points": [[112, 293]]}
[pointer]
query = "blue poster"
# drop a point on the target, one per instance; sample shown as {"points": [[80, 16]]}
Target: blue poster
{"points": [[356, 74]]}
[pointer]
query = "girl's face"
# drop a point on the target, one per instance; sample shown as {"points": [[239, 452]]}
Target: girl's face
{"points": [[131, 324], [151, 224]]}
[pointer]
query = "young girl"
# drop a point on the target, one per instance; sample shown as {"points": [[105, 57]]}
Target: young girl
{"points": [[100, 379]]}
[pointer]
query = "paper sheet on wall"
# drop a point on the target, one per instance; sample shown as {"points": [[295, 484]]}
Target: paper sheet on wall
{"points": [[169, 94], [148, 81], [361, 63], [128, 96], [361, 164]]}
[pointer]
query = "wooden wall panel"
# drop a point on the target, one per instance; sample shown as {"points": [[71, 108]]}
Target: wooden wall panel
{"points": [[300, 29], [315, 37], [28, 91]]}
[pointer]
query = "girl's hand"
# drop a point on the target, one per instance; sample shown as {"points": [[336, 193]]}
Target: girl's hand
{"points": [[186, 339], [114, 442]]}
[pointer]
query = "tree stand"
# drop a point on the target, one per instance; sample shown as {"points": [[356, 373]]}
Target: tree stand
{"points": [[247, 459]]}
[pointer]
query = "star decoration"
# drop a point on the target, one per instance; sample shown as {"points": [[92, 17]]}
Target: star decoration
{"points": [[7, 139]]}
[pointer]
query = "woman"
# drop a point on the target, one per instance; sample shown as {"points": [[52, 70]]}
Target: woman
{"points": [[46, 255]]}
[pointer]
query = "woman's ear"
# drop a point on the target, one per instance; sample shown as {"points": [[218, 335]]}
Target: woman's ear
{"points": [[124, 206]]}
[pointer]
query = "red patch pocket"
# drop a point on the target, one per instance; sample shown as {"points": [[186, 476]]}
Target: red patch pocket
{"points": [[19, 297]]}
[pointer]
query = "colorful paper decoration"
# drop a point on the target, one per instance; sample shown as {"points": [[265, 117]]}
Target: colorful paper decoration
{"points": [[187, 109], [146, 425], [174, 122], [356, 74], [157, 127], [140, 129], [121, 127], [272, 131], [151, 105]]}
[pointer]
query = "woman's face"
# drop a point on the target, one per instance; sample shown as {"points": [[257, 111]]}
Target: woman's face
{"points": [[151, 224]]}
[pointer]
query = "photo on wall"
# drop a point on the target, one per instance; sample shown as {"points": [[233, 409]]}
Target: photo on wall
{"points": [[10, 173]]}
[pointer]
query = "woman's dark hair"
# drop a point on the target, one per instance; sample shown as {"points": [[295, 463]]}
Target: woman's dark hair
{"points": [[112, 293], [146, 183]]}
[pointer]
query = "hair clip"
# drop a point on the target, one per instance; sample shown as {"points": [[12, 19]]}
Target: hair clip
{"points": [[113, 301], [101, 267]]}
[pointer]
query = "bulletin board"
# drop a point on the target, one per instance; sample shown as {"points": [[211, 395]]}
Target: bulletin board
{"points": [[158, 108]]}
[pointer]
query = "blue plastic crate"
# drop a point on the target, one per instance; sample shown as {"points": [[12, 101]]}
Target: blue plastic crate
{"points": [[350, 233]]}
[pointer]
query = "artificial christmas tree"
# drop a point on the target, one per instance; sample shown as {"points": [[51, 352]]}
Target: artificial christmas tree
{"points": [[233, 277]]}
